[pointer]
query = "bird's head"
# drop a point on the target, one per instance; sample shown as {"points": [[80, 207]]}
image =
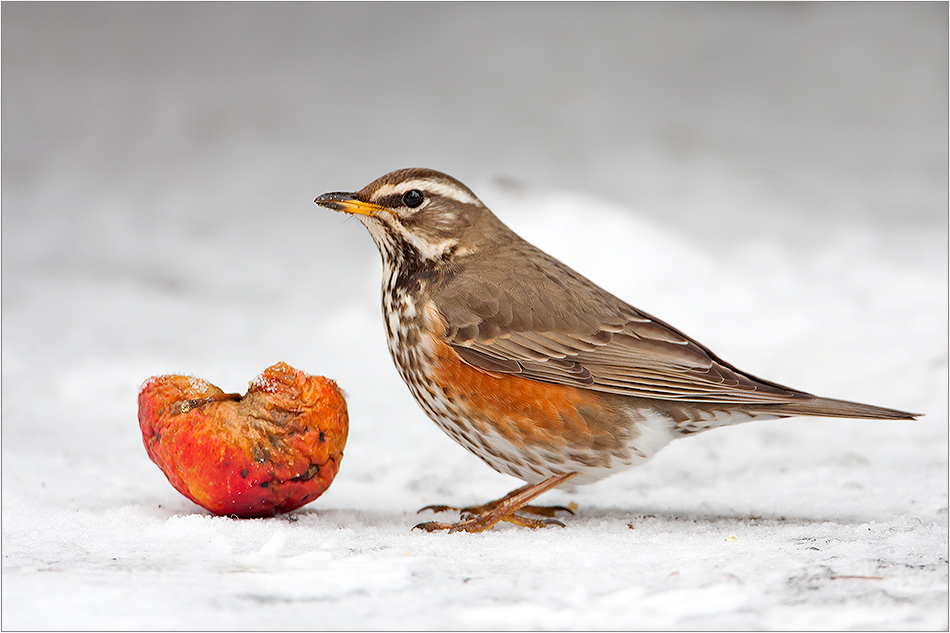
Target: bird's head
{"points": [[420, 213]]}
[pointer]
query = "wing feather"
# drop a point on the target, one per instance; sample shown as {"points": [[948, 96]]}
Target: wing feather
{"points": [[553, 325]]}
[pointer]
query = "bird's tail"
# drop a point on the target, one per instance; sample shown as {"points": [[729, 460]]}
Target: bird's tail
{"points": [[831, 408]]}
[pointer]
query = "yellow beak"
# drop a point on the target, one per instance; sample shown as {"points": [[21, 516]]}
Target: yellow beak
{"points": [[348, 203]]}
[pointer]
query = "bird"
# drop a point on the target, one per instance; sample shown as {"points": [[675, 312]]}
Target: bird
{"points": [[531, 366]]}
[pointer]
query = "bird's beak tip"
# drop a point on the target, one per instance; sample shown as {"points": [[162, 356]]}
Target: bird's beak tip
{"points": [[347, 203]]}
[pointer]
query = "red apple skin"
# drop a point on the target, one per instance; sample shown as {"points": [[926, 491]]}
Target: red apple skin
{"points": [[273, 450]]}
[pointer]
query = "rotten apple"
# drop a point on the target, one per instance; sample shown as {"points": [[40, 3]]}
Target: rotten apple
{"points": [[272, 450]]}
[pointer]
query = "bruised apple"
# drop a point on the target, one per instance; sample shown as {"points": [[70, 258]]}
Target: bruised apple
{"points": [[272, 450]]}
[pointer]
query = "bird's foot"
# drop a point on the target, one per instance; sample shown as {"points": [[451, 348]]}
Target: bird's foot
{"points": [[483, 517], [544, 511]]}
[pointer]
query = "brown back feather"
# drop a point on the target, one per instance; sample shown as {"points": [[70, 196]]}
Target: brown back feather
{"points": [[540, 319]]}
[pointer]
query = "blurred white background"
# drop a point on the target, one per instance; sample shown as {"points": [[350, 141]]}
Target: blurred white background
{"points": [[723, 117]]}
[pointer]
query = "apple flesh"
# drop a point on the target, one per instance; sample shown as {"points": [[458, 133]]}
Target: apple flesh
{"points": [[272, 450]]}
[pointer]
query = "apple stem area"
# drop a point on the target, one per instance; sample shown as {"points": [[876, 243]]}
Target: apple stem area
{"points": [[194, 403]]}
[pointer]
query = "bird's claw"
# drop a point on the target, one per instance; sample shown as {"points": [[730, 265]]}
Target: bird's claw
{"points": [[480, 523], [544, 511], [438, 508], [508, 508]]}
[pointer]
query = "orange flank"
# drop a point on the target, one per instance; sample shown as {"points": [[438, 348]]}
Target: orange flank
{"points": [[523, 411]]}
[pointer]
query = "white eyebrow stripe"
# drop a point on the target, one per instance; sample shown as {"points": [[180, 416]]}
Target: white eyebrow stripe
{"points": [[438, 188]]}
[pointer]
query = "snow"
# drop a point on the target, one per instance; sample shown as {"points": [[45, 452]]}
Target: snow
{"points": [[159, 164]]}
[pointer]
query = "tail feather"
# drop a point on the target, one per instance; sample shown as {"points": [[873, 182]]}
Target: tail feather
{"points": [[831, 408]]}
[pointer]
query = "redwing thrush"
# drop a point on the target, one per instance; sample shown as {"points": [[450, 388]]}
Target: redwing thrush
{"points": [[529, 365]]}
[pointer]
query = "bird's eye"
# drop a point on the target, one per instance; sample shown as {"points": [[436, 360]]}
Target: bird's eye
{"points": [[413, 198]]}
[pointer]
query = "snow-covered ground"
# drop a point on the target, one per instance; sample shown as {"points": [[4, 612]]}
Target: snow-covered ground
{"points": [[770, 179]]}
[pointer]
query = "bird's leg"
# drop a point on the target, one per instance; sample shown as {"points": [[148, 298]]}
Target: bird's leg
{"points": [[483, 517], [545, 511]]}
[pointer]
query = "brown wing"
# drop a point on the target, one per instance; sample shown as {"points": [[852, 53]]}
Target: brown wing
{"points": [[539, 319]]}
